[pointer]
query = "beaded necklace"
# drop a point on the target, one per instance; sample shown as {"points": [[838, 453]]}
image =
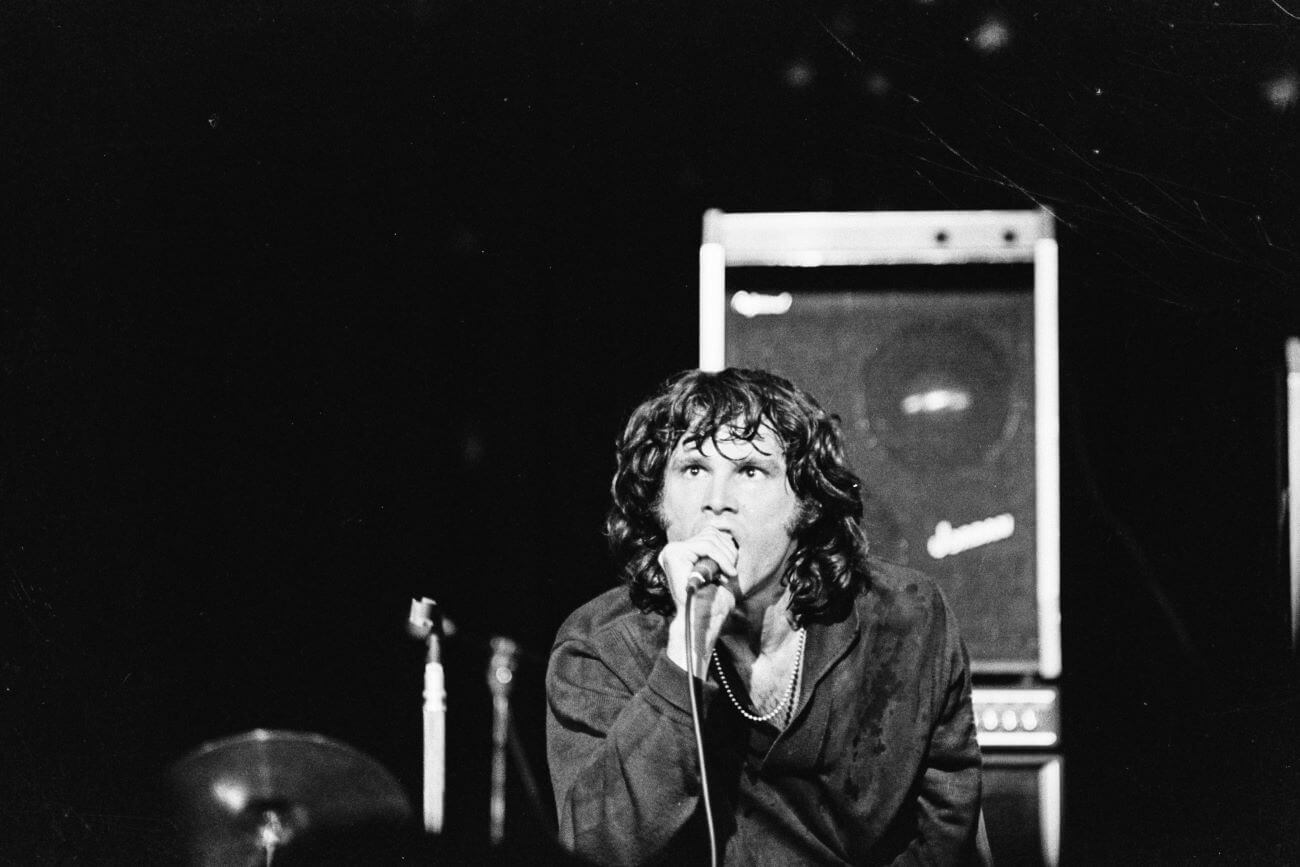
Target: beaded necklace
{"points": [[789, 690]]}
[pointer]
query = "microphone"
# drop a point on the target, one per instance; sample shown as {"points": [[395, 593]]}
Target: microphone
{"points": [[706, 572]]}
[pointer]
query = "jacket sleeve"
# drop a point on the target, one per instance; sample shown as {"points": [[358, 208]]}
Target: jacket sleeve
{"points": [[948, 798], [622, 755]]}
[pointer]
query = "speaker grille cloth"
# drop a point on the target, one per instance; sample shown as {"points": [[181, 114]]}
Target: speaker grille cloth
{"points": [[935, 395]]}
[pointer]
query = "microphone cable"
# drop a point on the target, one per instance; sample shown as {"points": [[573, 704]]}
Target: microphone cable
{"points": [[695, 720]]}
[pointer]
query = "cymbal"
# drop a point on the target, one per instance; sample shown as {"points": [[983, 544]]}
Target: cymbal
{"points": [[242, 798]]}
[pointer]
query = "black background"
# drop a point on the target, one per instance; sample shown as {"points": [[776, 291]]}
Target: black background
{"points": [[308, 308]]}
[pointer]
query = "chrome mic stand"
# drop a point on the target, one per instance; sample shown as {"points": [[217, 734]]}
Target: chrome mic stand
{"points": [[501, 674], [425, 622]]}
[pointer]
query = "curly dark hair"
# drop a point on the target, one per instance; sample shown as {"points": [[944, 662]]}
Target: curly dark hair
{"points": [[828, 567]]}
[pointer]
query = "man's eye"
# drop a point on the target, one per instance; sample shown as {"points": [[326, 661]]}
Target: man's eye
{"points": [[693, 469], [751, 472]]}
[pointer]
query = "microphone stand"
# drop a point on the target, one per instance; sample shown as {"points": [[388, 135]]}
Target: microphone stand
{"points": [[501, 674], [425, 622]]}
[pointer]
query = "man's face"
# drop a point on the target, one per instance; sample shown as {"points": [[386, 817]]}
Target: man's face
{"points": [[740, 487]]}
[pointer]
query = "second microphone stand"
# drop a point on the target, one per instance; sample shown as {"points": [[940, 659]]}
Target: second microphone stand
{"points": [[501, 675]]}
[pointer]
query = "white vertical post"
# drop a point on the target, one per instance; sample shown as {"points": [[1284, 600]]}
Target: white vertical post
{"points": [[1050, 810], [713, 306], [1047, 456], [1293, 478]]}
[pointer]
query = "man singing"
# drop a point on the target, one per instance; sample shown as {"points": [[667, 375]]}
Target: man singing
{"points": [[836, 707]]}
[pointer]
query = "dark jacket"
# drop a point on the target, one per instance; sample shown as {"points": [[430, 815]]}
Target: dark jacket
{"points": [[879, 764]]}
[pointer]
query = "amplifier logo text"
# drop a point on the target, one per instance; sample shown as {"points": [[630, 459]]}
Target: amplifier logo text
{"points": [[948, 540], [751, 304]]}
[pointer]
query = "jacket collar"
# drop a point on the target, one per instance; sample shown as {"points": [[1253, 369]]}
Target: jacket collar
{"points": [[827, 644]]}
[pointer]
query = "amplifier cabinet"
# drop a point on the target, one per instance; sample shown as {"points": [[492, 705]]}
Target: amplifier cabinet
{"points": [[932, 336]]}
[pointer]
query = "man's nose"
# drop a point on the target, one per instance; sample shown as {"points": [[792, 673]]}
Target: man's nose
{"points": [[721, 494]]}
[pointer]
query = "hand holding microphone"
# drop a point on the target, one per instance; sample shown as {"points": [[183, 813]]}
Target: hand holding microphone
{"points": [[706, 559], [704, 566]]}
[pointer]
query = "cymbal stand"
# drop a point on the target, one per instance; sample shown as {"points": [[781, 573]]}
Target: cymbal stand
{"points": [[271, 833]]}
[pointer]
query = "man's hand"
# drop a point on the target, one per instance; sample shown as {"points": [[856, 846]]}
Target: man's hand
{"points": [[713, 604]]}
